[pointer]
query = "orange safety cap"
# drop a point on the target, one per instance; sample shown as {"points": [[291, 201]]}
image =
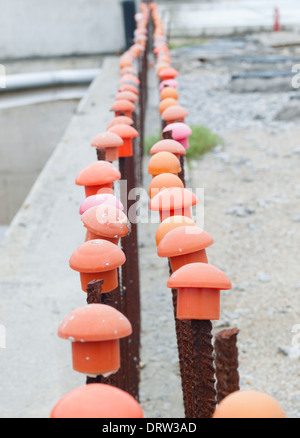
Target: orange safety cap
{"points": [[127, 133], [94, 322], [120, 120], [174, 201], [107, 222], [97, 400], [249, 404], [172, 146], [198, 295], [174, 113], [183, 240], [185, 245], [164, 181], [169, 92], [96, 176], [166, 103], [127, 95], [110, 142], [163, 162], [98, 260], [171, 223], [168, 73]]}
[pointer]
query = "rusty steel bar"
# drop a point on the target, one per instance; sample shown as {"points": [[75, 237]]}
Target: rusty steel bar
{"points": [[130, 288], [94, 296], [204, 384], [226, 363]]}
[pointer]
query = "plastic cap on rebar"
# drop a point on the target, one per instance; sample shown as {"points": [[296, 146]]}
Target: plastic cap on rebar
{"points": [[124, 131], [100, 172], [95, 200], [180, 131], [166, 103], [249, 404], [168, 73], [97, 256], [168, 83], [163, 162], [169, 92], [171, 223], [97, 400], [120, 120], [164, 181], [122, 105], [183, 240], [199, 275], [127, 95], [94, 322], [172, 146], [107, 140], [106, 220], [175, 112], [173, 198]]}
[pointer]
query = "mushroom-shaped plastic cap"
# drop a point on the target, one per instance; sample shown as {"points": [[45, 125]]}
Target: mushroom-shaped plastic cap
{"points": [[130, 77], [95, 200], [127, 133], [168, 83], [120, 120], [249, 404], [168, 73], [128, 87], [180, 132], [107, 140], [106, 220], [166, 103], [164, 181], [175, 112], [98, 173], [183, 240], [199, 275], [127, 95], [97, 400], [97, 256], [94, 322], [122, 105], [124, 131], [173, 198], [171, 223], [168, 92], [163, 162], [172, 146]]}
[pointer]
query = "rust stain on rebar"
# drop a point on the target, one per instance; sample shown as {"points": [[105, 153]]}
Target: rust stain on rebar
{"points": [[204, 384], [130, 290], [94, 290], [226, 363]]}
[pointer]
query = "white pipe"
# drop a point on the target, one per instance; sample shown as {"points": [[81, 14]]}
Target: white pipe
{"points": [[48, 79]]}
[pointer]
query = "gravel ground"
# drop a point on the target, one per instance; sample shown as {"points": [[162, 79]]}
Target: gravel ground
{"points": [[252, 190]]}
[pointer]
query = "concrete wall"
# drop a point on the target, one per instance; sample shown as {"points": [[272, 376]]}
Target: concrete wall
{"points": [[41, 28], [29, 135]]}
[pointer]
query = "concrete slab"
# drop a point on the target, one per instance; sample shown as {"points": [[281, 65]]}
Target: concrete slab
{"points": [[37, 286]]}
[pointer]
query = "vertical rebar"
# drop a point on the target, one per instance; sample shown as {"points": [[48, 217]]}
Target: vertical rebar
{"points": [[226, 363], [95, 296], [204, 384], [130, 289]]}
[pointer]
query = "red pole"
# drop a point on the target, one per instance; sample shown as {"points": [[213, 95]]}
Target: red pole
{"points": [[276, 20]]}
